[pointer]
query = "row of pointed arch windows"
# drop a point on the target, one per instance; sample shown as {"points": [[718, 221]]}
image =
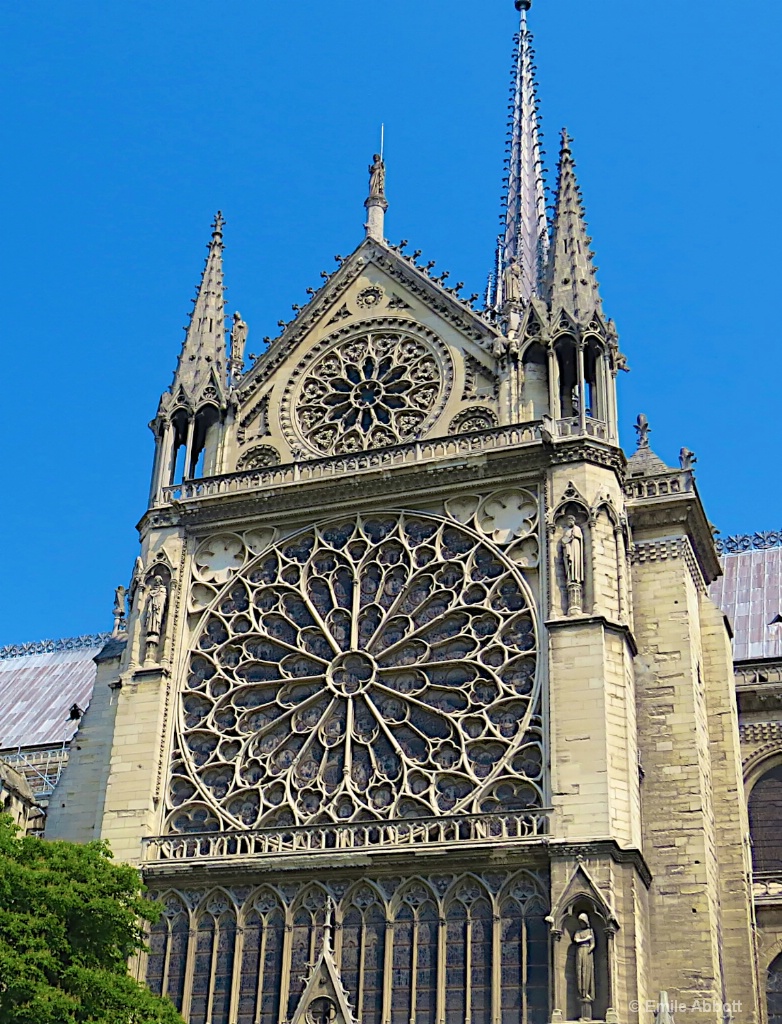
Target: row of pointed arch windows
{"points": [[420, 961]]}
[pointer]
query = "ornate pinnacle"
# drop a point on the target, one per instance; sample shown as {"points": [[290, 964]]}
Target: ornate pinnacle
{"points": [[643, 430], [523, 244]]}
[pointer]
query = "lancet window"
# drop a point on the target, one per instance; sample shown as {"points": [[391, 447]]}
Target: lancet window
{"points": [[449, 948], [765, 810]]}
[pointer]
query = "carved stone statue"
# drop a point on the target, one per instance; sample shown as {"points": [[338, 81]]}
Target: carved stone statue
{"points": [[573, 561], [155, 609], [136, 580], [239, 332], [512, 281], [119, 609], [687, 460], [377, 178], [584, 940]]}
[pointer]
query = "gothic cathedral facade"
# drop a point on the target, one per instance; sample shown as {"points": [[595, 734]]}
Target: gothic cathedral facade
{"points": [[420, 712]]}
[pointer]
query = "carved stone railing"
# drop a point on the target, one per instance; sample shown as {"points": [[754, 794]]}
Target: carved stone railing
{"points": [[433, 450], [571, 427], [369, 835], [660, 485], [767, 887]]}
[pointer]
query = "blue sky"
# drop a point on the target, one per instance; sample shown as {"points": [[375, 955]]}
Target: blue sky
{"points": [[126, 125]]}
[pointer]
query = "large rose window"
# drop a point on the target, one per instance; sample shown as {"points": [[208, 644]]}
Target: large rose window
{"points": [[375, 668], [379, 388]]}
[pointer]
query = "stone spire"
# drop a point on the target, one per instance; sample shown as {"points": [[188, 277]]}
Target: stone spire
{"points": [[524, 237], [571, 281], [203, 356]]}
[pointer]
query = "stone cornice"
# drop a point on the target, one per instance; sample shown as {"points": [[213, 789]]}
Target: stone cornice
{"points": [[597, 620], [663, 511], [670, 548], [388, 477], [600, 849]]}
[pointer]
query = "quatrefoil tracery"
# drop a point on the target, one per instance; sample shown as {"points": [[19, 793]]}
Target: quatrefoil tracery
{"points": [[370, 669]]}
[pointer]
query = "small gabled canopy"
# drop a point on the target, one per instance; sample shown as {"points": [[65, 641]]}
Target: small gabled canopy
{"points": [[324, 1000], [201, 371]]}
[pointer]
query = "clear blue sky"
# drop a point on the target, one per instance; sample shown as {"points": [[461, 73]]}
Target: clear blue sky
{"points": [[126, 125]]}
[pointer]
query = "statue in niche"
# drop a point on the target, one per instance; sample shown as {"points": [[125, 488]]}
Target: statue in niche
{"points": [[584, 941], [511, 280], [573, 560], [239, 332], [155, 609], [377, 178]]}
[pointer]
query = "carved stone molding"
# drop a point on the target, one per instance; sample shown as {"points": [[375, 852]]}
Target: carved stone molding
{"points": [[761, 732], [670, 548]]}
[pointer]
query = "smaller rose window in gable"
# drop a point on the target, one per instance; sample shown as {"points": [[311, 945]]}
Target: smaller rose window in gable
{"points": [[374, 389]]}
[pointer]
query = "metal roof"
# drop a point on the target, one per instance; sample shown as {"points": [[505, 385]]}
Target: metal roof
{"points": [[750, 594], [39, 683]]}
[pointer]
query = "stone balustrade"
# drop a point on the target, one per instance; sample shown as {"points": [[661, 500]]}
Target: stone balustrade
{"points": [[368, 835]]}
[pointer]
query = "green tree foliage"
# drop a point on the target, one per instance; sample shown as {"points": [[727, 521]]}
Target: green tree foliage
{"points": [[69, 922]]}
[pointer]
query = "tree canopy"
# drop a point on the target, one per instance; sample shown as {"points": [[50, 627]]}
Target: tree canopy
{"points": [[70, 919]]}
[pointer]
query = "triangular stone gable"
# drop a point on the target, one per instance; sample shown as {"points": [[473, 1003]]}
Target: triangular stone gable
{"points": [[580, 885], [324, 1000], [376, 290]]}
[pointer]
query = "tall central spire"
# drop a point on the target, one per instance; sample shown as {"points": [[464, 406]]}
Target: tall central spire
{"points": [[524, 239]]}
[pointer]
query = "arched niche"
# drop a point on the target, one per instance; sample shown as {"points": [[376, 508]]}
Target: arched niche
{"points": [[765, 815], [774, 991], [567, 359], [535, 385]]}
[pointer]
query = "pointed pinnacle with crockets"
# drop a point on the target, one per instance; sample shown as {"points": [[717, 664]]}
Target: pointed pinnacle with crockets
{"points": [[203, 354], [524, 238], [571, 281]]}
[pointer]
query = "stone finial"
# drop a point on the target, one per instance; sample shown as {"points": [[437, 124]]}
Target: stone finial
{"points": [[376, 204], [663, 1014], [643, 430]]}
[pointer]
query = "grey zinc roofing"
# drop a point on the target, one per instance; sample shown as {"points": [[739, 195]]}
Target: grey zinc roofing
{"points": [[750, 594], [38, 689]]}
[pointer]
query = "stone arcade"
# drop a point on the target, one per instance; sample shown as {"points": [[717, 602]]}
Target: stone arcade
{"points": [[424, 714]]}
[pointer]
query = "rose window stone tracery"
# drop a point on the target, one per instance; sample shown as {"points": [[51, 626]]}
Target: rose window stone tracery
{"points": [[380, 387], [373, 668]]}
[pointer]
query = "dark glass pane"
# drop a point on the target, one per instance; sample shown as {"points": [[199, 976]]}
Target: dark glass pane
{"points": [[177, 962], [481, 966], [765, 813], [300, 958], [351, 949], [426, 979], [202, 970], [455, 965], [251, 956], [272, 968], [224, 969], [402, 975], [158, 940], [537, 969], [511, 972], [374, 964], [774, 992]]}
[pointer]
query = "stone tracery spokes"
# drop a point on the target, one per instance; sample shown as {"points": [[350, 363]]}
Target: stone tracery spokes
{"points": [[370, 391], [372, 669]]}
